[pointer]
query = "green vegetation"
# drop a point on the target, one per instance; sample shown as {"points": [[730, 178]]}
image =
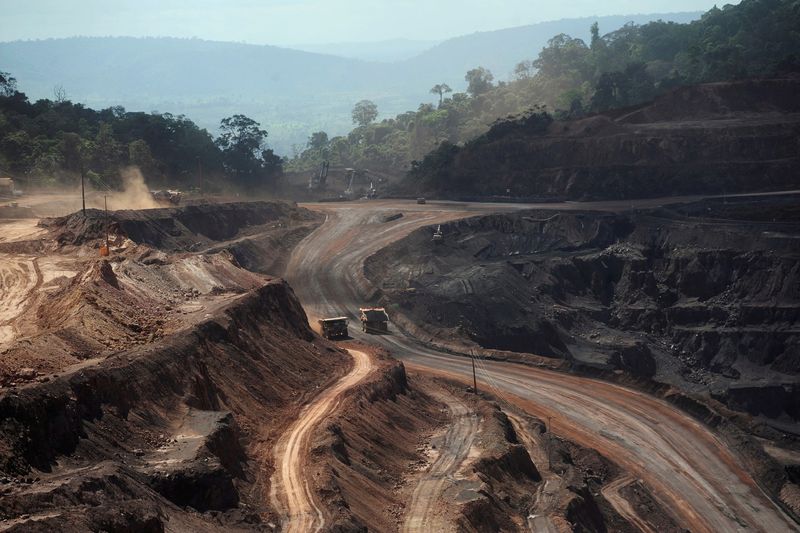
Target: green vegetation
{"points": [[570, 77], [53, 141]]}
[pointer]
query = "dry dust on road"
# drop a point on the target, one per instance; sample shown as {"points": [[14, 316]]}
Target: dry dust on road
{"points": [[692, 473], [19, 277], [290, 490]]}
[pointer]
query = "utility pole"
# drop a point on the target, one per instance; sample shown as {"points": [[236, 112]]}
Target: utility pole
{"points": [[549, 441], [474, 378], [105, 204]]}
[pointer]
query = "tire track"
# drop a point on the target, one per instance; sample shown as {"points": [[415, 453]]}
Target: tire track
{"points": [[422, 512], [19, 279], [623, 506]]}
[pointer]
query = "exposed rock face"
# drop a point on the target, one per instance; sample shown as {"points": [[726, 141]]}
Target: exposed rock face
{"points": [[705, 303], [734, 137]]}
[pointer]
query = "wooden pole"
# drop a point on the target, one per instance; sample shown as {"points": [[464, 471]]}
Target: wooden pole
{"points": [[549, 441], [105, 204], [474, 377]]}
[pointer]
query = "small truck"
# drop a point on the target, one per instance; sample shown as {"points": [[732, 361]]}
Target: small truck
{"points": [[167, 196], [334, 328]]}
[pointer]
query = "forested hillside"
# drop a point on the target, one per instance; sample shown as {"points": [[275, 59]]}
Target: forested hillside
{"points": [[292, 93], [53, 142], [572, 77]]}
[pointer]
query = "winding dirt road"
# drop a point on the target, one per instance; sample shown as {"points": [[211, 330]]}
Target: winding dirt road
{"points": [[684, 465], [290, 489]]}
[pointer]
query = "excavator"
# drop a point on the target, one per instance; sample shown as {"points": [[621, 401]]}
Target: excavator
{"points": [[351, 176], [438, 236], [320, 179]]}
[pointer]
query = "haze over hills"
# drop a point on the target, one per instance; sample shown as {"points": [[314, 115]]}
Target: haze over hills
{"points": [[279, 87], [383, 51]]}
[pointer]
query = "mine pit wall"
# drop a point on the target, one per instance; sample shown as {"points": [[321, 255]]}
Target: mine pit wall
{"points": [[617, 273], [716, 408], [705, 139], [248, 361]]}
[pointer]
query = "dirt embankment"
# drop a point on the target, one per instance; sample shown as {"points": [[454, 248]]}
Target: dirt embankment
{"points": [[259, 234], [734, 137], [393, 459], [63, 306], [706, 303], [362, 454], [145, 391], [183, 423]]}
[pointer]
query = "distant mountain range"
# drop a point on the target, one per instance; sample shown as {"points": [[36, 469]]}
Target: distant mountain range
{"points": [[291, 92], [382, 51]]}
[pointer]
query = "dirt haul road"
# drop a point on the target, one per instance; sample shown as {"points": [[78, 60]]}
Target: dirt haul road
{"points": [[290, 491], [689, 470]]}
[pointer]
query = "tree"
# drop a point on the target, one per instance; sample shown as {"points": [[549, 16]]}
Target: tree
{"points": [[364, 112], [524, 70], [8, 84], [441, 89], [479, 80], [242, 144], [106, 155], [70, 149], [564, 56], [139, 155], [595, 31], [318, 140], [60, 94]]}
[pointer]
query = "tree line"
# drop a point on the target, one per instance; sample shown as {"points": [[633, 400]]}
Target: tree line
{"points": [[570, 78], [54, 141]]}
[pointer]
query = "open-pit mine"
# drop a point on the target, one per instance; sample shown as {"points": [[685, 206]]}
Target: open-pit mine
{"points": [[604, 366]]}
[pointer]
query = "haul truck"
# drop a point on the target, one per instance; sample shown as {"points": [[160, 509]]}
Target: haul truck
{"points": [[334, 328]]}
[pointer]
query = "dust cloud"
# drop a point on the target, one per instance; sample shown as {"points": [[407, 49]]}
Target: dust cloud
{"points": [[135, 193]]}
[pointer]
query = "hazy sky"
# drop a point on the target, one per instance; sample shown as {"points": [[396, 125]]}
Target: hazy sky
{"points": [[285, 22]]}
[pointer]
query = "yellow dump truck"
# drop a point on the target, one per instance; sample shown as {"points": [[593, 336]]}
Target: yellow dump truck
{"points": [[374, 320], [334, 328]]}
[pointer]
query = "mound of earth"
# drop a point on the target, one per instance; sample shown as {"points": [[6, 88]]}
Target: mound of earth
{"points": [[66, 306], [187, 228], [687, 296], [714, 138]]}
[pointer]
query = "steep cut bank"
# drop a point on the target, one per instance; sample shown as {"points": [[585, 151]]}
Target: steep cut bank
{"points": [[706, 139], [688, 297], [144, 391], [174, 434]]}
